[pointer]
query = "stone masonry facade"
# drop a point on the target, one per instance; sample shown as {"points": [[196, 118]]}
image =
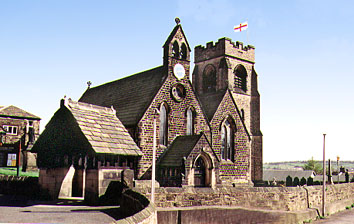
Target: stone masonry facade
{"points": [[234, 102], [227, 57]]}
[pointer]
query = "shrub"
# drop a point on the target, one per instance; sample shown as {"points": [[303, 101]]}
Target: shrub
{"points": [[289, 181], [303, 181], [317, 182], [296, 182], [309, 181]]}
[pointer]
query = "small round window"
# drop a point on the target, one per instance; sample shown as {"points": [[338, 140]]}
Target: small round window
{"points": [[178, 92]]}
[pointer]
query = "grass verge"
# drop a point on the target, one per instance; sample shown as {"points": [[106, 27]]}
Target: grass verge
{"points": [[12, 171]]}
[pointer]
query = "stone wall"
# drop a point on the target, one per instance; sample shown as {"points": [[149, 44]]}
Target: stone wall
{"points": [[237, 170], [176, 119], [270, 198], [136, 208], [51, 180], [14, 185], [219, 214]]}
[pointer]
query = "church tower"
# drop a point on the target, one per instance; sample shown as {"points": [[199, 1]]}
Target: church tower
{"points": [[229, 65], [176, 55]]}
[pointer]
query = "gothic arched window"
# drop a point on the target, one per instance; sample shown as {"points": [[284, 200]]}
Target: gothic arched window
{"points": [[175, 50], [209, 79], [241, 77], [227, 139], [163, 125], [184, 51], [190, 122], [242, 114]]}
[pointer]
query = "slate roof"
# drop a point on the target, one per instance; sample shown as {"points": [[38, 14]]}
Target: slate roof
{"points": [[80, 128], [12, 111], [281, 175], [210, 102], [103, 129], [130, 96], [181, 147]]}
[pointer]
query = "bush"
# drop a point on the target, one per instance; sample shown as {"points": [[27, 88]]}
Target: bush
{"points": [[296, 182], [289, 181], [309, 181], [317, 182], [303, 181]]}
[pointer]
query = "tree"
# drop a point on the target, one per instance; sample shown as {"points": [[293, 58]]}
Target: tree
{"points": [[296, 182], [313, 165], [303, 181], [289, 181], [309, 181]]}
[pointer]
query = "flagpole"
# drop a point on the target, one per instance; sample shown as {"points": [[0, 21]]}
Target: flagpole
{"points": [[247, 33]]}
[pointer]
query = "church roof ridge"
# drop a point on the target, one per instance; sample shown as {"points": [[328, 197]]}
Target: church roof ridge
{"points": [[130, 96]]}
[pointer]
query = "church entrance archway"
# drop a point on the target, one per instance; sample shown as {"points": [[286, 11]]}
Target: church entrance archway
{"points": [[199, 173], [202, 171]]}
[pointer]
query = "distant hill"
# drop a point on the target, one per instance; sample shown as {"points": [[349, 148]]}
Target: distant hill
{"points": [[299, 164]]}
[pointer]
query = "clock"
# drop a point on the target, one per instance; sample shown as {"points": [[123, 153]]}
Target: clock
{"points": [[179, 71]]}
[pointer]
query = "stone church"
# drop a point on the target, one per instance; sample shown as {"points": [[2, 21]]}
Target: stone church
{"points": [[208, 129]]}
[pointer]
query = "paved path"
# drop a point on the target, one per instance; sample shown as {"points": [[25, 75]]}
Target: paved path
{"points": [[345, 217], [17, 210]]}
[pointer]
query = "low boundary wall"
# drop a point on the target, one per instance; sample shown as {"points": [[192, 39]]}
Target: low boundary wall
{"points": [[290, 200], [14, 185], [137, 207]]}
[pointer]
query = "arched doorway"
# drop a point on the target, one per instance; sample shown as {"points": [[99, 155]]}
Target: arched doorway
{"points": [[203, 171], [199, 173]]}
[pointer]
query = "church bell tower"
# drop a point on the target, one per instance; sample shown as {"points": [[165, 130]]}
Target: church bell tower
{"points": [[177, 53], [230, 65]]}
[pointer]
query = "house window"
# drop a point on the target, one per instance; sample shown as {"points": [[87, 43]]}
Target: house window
{"points": [[190, 122], [163, 125], [209, 79], [240, 78], [227, 138], [10, 130], [30, 131]]}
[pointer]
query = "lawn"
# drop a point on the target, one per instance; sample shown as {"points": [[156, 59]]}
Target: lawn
{"points": [[13, 172]]}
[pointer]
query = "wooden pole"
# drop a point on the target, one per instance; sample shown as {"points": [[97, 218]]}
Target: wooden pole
{"points": [[19, 159]]}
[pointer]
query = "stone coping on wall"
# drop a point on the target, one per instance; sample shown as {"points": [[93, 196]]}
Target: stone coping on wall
{"points": [[146, 216], [226, 214]]}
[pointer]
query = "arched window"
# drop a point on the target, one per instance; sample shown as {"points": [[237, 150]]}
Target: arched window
{"points": [[190, 122], [227, 139], [240, 78], [223, 142], [163, 125], [183, 51], [242, 115], [209, 79], [175, 50]]}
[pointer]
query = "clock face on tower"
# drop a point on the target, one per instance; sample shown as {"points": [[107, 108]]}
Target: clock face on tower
{"points": [[178, 71]]}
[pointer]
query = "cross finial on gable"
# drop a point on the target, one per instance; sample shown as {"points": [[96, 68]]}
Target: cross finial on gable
{"points": [[89, 84]]}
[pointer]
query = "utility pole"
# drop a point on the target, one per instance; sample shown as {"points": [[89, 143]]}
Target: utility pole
{"points": [[153, 170], [324, 176], [338, 169]]}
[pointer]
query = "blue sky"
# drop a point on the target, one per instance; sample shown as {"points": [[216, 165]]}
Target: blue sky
{"points": [[304, 58]]}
